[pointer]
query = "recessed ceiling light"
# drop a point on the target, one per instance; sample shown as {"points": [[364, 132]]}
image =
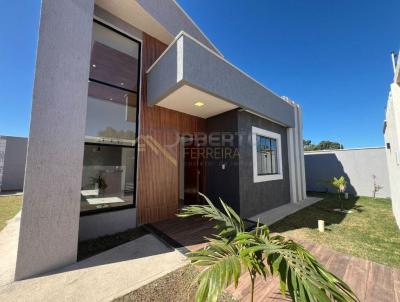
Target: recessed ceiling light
{"points": [[122, 84], [111, 99], [199, 104], [94, 66]]}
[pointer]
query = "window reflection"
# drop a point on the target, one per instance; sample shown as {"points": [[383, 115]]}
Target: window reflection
{"points": [[267, 157], [108, 177], [111, 115], [114, 59]]}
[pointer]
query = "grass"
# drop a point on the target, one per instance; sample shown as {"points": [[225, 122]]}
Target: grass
{"points": [[369, 232], [10, 205]]}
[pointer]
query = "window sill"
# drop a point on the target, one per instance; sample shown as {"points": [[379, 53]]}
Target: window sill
{"points": [[105, 210], [263, 178]]}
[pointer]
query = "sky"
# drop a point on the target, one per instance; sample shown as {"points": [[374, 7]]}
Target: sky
{"points": [[331, 56]]}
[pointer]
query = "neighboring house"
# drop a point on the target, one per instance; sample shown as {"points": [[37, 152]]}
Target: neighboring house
{"points": [[364, 169], [113, 73], [391, 130], [12, 162]]}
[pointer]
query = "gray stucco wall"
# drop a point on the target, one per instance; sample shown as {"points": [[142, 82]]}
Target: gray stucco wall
{"points": [[14, 163], [171, 16], [392, 137], [3, 143], [162, 79], [208, 72], [50, 213], [262, 196], [358, 166], [234, 184]]}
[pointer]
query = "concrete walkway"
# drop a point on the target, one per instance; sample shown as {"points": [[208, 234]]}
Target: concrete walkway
{"points": [[103, 277], [276, 214], [8, 249]]}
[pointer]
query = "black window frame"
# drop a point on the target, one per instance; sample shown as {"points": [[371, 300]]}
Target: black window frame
{"points": [[133, 205]]}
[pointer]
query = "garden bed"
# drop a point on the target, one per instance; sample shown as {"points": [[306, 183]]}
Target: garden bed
{"points": [[178, 286]]}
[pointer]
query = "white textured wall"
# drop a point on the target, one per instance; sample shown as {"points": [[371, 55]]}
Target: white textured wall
{"points": [[50, 214], [357, 165], [392, 137], [296, 157]]}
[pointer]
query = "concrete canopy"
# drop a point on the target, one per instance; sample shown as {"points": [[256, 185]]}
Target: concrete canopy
{"points": [[189, 63]]}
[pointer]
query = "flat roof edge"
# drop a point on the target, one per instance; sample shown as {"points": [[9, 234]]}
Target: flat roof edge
{"points": [[348, 149]]}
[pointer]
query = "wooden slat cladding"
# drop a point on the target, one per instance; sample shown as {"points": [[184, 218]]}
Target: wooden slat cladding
{"points": [[158, 177]]}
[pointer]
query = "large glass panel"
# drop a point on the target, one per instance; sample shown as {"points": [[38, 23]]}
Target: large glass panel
{"points": [[108, 179]]}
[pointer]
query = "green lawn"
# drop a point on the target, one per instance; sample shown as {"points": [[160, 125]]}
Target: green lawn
{"points": [[369, 232], [9, 207]]}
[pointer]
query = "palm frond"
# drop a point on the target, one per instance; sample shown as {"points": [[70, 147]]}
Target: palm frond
{"points": [[300, 273], [228, 224], [223, 266]]}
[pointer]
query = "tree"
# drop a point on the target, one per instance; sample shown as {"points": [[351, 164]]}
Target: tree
{"points": [[328, 145], [308, 145], [322, 145], [306, 142], [261, 254]]}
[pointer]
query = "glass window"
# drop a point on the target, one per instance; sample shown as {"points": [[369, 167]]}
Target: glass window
{"points": [[114, 59], [267, 157], [108, 179], [111, 115]]}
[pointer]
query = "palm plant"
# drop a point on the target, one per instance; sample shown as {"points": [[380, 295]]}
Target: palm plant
{"points": [[340, 185], [234, 250]]}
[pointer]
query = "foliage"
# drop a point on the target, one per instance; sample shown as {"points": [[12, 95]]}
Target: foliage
{"points": [[121, 134], [323, 145], [261, 254], [340, 185], [101, 182]]}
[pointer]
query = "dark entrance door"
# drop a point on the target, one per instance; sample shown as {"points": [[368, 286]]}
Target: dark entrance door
{"points": [[194, 175]]}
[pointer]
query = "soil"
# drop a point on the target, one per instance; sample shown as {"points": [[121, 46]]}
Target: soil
{"points": [[177, 286]]}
